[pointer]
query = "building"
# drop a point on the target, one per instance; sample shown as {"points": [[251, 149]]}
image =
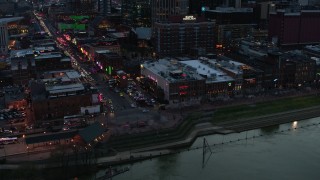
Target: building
{"points": [[198, 7], [109, 62], [227, 33], [231, 23], [103, 7], [51, 61], [312, 50], [81, 6], [85, 138], [188, 80], [7, 8], [296, 70], [217, 82], [136, 13], [231, 15], [14, 97], [92, 50], [161, 10], [60, 95], [183, 33], [176, 80], [294, 28], [22, 70], [4, 35]]}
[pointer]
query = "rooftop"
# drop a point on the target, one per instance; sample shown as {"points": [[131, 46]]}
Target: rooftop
{"points": [[11, 19], [43, 48], [70, 74], [63, 88], [91, 132], [21, 53], [231, 10], [210, 71], [33, 139], [168, 69], [315, 48], [48, 55], [143, 33]]}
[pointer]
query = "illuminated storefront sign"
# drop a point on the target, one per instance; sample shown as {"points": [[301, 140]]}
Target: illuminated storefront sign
{"points": [[189, 18]]}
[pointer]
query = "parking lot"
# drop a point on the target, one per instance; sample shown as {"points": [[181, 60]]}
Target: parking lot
{"points": [[10, 119]]}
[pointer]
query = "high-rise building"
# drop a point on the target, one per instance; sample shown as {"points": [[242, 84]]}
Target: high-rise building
{"points": [[231, 23], [103, 7], [183, 34], [136, 13], [162, 9]]}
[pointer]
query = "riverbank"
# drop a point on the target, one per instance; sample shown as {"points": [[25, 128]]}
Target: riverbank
{"points": [[207, 129], [162, 142]]}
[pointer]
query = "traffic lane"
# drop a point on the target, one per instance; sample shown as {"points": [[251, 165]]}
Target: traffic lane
{"points": [[119, 103]]}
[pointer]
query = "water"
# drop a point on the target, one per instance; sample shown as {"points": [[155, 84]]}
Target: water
{"points": [[278, 152]]}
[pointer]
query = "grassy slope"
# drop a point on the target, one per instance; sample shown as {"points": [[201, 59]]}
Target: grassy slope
{"points": [[264, 108], [131, 141]]}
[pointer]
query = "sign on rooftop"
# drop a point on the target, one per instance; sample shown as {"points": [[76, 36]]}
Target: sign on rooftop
{"points": [[189, 18]]}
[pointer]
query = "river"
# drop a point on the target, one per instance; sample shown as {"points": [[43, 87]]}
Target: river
{"points": [[287, 151]]}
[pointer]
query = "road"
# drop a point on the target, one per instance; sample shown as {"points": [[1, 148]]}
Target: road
{"points": [[122, 105]]}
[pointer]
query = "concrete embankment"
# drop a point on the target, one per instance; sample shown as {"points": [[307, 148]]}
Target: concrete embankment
{"points": [[222, 128]]}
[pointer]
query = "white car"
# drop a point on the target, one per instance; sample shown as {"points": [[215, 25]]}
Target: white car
{"points": [[145, 110]]}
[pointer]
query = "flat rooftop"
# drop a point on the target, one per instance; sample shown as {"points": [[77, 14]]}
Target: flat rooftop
{"points": [[44, 48], [11, 19], [48, 55], [21, 53], [165, 67], [67, 74], [213, 73], [55, 89], [315, 48]]}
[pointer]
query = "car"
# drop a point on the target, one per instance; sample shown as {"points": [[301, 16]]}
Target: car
{"points": [[110, 101], [7, 131], [133, 105], [145, 110], [121, 94]]}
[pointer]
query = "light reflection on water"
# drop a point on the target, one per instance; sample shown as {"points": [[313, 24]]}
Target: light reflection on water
{"points": [[294, 124], [286, 151]]}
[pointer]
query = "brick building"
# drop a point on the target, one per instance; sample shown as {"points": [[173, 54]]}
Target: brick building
{"points": [[182, 34], [58, 97], [293, 28]]}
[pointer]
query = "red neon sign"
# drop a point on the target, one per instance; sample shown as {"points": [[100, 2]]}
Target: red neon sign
{"points": [[183, 87]]}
